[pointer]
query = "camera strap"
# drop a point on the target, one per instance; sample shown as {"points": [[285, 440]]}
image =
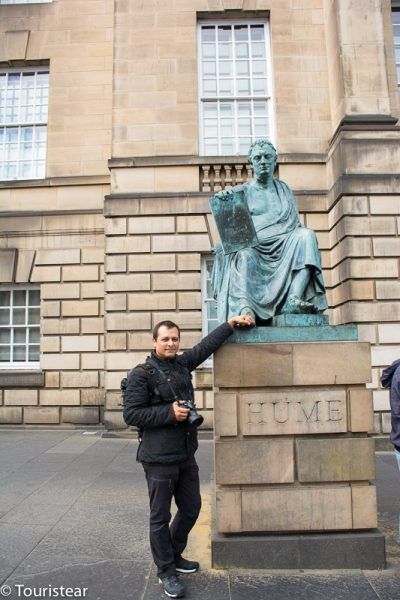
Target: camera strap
{"points": [[163, 376]]}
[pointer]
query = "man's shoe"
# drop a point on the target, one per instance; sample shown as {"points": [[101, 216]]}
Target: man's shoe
{"points": [[172, 586], [186, 566]]}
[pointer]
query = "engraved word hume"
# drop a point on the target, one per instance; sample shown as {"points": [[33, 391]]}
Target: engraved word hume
{"points": [[289, 412]]}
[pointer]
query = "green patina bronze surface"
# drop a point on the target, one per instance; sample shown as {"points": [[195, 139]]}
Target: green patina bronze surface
{"points": [[306, 333], [279, 274]]}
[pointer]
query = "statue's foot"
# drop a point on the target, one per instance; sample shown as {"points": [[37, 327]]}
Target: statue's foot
{"points": [[296, 306]]}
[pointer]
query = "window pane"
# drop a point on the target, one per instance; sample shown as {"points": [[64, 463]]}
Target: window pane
{"points": [[226, 109], [226, 127], [258, 50], [226, 68], [244, 144], [18, 317], [225, 50], [243, 87], [208, 34], [259, 68], [227, 146], [210, 87], [19, 298], [243, 67], [19, 353], [241, 50], [4, 316], [257, 32], [211, 128], [33, 335], [241, 32], [211, 148], [208, 51], [244, 127], [260, 86], [5, 353], [209, 68], [5, 298], [34, 353], [4, 336], [224, 33], [34, 316], [261, 127], [226, 87], [20, 335], [244, 109], [210, 109]]}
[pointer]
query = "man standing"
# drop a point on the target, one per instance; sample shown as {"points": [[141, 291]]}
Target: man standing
{"points": [[155, 401]]}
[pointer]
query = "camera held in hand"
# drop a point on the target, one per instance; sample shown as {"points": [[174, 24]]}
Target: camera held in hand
{"points": [[193, 417]]}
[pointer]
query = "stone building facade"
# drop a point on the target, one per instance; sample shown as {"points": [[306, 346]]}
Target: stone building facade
{"points": [[105, 213]]}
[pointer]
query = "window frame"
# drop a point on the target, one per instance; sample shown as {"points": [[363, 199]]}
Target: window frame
{"points": [[34, 124], [268, 98], [395, 8], [20, 365]]}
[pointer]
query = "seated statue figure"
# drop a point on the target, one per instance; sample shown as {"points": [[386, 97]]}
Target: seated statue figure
{"points": [[282, 273]]}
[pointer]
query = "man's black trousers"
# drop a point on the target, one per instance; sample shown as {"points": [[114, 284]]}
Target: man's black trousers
{"points": [[164, 482]]}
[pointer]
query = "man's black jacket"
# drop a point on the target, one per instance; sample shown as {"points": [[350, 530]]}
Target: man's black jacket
{"points": [[149, 398], [391, 379]]}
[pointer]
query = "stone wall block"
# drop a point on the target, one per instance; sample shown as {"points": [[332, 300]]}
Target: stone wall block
{"points": [[152, 301], [151, 262], [10, 415], [349, 362], [82, 415], [253, 365], [59, 397], [42, 274], [57, 362], [126, 321], [81, 273], [59, 326], [20, 397], [338, 459], [92, 255], [229, 510], [80, 343], [179, 281], [92, 325], [50, 308], [189, 300], [68, 256], [127, 245], [361, 410], [42, 415], [191, 224], [81, 308], [93, 360], [115, 226], [189, 262], [225, 414], [24, 265], [297, 509], [236, 463], [114, 302], [57, 291], [79, 379], [142, 225], [116, 263], [364, 506], [127, 283], [185, 319], [92, 397], [181, 243]]}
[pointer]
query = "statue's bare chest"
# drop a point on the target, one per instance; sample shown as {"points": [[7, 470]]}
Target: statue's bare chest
{"points": [[266, 203]]}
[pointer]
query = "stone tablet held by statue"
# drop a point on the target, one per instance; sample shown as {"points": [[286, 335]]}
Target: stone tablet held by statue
{"points": [[234, 223]]}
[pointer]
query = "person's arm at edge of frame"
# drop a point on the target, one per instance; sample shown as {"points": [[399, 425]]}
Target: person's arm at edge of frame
{"points": [[137, 408], [195, 356]]}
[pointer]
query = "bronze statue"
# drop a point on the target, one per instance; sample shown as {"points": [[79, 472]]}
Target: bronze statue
{"points": [[278, 273]]}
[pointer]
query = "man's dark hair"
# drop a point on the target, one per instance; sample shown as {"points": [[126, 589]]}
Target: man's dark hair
{"points": [[168, 325]]}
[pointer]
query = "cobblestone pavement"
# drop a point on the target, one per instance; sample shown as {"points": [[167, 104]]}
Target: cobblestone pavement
{"points": [[73, 514]]}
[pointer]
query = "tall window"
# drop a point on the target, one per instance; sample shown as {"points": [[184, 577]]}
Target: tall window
{"points": [[235, 86], [23, 123], [396, 36], [19, 327]]}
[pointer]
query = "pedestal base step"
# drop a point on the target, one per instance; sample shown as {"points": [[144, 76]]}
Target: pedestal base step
{"points": [[352, 550]]}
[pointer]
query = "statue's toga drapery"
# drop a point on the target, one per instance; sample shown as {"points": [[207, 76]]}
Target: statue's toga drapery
{"points": [[260, 277]]}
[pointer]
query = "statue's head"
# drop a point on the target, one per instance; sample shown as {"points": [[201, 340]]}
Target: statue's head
{"points": [[261, 145], [262, 156]]}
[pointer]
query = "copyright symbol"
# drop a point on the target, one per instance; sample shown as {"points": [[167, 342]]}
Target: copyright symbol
{"points": [[5, 590]]}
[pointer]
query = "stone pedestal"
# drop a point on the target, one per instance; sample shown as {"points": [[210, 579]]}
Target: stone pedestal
{"points": [[292, 455]]}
